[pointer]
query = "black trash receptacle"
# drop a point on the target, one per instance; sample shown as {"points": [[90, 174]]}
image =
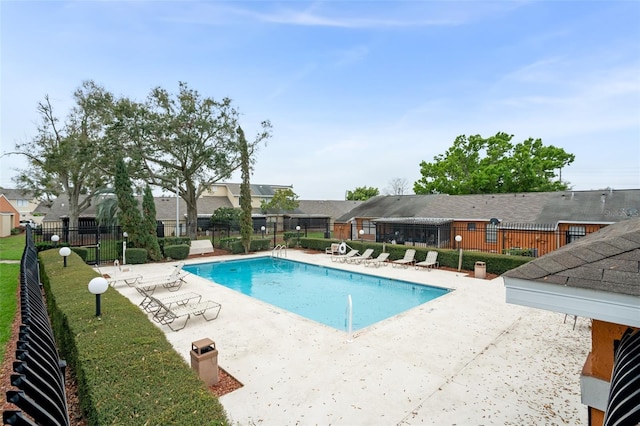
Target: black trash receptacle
{"points": [[204, 360]]}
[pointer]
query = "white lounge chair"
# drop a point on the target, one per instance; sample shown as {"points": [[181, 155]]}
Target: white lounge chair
{"points": [[166, 315], [333, 250], [345, 257], [408, 259], [359, 259], [377, 261], [430, 262], [172, 282]]}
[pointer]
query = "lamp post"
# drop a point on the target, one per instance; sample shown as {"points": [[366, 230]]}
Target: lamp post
{"points": [[97, 286], [54, 239], [125, 235], [459, 240], [298, 231], [361, 232], [263, 228], [64, 252]]}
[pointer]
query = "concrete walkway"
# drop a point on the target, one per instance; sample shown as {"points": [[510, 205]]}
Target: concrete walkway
{"points": [[466, 358]]}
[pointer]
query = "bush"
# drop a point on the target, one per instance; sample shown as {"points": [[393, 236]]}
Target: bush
{"points": [[127, 371], [136, 256], [178, 251], [82, 252], [172, 241]]}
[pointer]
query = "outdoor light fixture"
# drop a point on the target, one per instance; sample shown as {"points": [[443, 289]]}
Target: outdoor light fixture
{"points": [[361, 232], [54, 239], [263, 228], [64, 252], [298, 230], [125, 235], [459, 240], [97, 286]]}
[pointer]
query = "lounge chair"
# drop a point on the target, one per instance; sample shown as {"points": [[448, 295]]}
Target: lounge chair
{"points": [[345, 257], [148, 304], [359, 259], [167, 314], [172, 282], [408, 259], [333, 250], [377, 261], [430, 262]]}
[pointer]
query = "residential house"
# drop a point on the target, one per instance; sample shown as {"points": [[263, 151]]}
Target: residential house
{"points": [[526, 223], [9, 217], [24, 202], [597, 277]]}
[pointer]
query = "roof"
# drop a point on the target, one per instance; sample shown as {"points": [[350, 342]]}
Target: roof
{"points": [[596, 277], [17, 194], [546, 209], [606, 260]]}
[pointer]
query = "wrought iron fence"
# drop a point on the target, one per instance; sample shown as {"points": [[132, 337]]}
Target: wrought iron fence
{"points": [[39, 373]]}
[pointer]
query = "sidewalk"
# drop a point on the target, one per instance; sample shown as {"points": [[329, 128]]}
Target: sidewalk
{"points": [[464, 358]]}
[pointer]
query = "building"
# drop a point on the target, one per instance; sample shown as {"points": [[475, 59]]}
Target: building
{"points": [[9, 217], [528, 223], [24, 202], [597, 277]]}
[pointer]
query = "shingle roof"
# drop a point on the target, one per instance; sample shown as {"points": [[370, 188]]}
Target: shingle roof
{"points": [[545, 209], [17, 194], [607, 260]]}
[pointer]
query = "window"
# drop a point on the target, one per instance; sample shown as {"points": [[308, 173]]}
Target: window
{"points": [[22, 203], [575, 233], [492, 233], [369, 228], [471, 226]]}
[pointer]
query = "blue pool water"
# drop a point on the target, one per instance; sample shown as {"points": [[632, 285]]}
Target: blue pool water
{"points": [[317, 292]]}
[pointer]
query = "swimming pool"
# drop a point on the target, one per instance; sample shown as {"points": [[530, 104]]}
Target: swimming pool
{"points": [[318, 293]]}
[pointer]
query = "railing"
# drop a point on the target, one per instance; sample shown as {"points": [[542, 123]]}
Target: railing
{"points": [[277, 250], [39, 377]]}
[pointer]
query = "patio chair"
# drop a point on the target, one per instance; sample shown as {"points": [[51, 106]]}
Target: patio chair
{"points": [[430, 262], [167, 314], [333, 250], [359, 259], [172, 282], [345, 257], [408, 259], [377, 261], [148, 305]]}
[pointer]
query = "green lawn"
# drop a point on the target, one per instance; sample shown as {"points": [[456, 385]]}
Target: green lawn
{"points": [[11, 248]]}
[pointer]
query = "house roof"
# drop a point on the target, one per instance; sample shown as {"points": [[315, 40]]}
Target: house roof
{"points": [[607, 260], [257, 190], [17, 194], [597, 276], [512, 210]]}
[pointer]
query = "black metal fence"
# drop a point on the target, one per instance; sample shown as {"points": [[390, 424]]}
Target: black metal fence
{"points": [[39, 372]]}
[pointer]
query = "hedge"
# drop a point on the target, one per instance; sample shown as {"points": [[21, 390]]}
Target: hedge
{"points": [[136, 256], [178, 251], [127, 372]]}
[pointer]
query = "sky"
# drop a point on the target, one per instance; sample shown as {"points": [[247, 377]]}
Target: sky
{"points": [[358, 92]]}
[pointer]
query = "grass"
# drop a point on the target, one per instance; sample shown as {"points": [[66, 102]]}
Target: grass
{"points": [[11, 248]]}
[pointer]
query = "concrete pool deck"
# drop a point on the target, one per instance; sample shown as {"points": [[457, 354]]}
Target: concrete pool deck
{"points": [[466, 358]]}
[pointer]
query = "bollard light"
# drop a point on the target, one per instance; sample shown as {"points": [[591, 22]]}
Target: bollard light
{"points": [[298, 236], [125, 235], [97, 286], [54, 239], [459, 240], [64, 252], [361, 232], [263, 228]]}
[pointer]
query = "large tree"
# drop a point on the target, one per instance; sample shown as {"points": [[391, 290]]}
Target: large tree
{"points": [[398, 186], [362, 193], [68, 157], [128, 212], [183, 139], [475, 165], [246, 222]]}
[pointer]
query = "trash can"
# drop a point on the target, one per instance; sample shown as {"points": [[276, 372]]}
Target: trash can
{"points": [[204, 359], [480, 270]]}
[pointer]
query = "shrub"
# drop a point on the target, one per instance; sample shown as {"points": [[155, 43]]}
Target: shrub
{"points": [[82, 252], [172, 241], [127, 371], [178, 251], [136, 256]]}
